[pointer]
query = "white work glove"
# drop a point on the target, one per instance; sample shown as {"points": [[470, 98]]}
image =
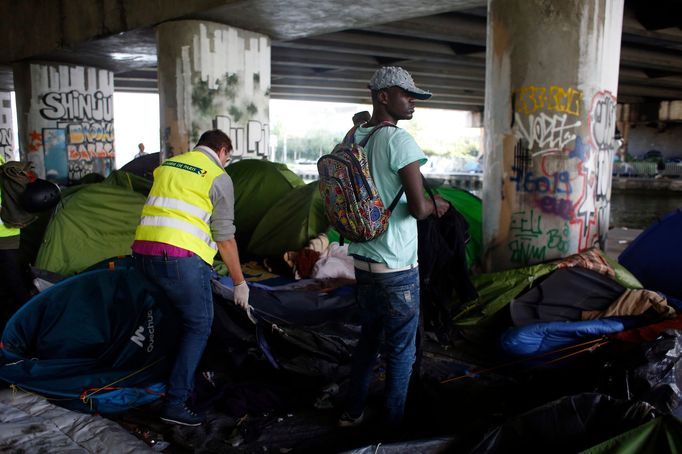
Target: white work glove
{"points": [[241, 295]]}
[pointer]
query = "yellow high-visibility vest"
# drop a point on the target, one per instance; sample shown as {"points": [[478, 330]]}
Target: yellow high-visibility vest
{"points": [[178, 208], [4, 230]]}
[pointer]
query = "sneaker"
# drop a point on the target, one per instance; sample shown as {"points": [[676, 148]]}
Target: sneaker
{"points": [[346, 420], [180, 414]]}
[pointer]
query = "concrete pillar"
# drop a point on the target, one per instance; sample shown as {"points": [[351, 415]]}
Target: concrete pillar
{"points": [[6, 133], [550, 111], [65, 116], [213, 76]]}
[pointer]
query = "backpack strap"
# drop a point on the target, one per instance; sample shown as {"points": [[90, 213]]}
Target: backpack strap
{"points": [[397, 198], [349, 138], [429, 191], [383, 124]]}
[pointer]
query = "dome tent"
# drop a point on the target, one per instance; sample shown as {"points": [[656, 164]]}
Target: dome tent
{"points": [[258, 185], [93, 223], [290, 223], [95, 342]]}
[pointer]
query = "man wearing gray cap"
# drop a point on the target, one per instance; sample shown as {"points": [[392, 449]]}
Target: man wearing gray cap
{"points": [[386, 267]]}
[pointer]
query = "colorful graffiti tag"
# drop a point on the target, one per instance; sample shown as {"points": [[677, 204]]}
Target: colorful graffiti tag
{"points": [[560, 172], [592, 209], [71, 122]]}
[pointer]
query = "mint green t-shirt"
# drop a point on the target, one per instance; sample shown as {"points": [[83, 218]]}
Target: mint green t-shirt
{"points": [[389, 150]]}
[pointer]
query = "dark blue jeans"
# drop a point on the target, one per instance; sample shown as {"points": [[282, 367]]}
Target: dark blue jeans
{"points": [[186, 283], [389, 305]]}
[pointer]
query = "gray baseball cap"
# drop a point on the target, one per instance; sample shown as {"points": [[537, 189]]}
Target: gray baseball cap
{"points": [[394, 76]]}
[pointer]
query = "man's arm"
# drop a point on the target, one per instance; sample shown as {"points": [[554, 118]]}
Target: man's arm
{"points": [[230, 255], [419, 206]]}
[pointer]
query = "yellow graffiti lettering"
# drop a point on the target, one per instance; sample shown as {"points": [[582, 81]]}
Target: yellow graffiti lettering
{"points": [[565, 101], [532, 98]]}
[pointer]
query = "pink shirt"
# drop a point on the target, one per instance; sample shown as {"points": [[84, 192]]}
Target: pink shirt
{"points": [[156, 248]]}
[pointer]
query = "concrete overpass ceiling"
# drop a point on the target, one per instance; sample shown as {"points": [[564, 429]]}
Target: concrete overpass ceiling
{"points": [[292, 19], [327, 50]]}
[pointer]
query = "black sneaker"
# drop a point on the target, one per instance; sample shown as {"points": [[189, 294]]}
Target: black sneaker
{"points": [[346, 420], [180, 414]]}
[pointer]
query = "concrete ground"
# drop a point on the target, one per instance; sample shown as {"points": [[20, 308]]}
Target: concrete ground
{"points": [[618, 239]]}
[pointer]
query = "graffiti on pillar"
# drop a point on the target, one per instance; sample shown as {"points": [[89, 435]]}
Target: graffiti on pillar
{"points": [[220, 77], [546, 171], [593, 209], [530, 99], [532, 241], [249, 141], [84, 128], [71, 122], [6, 136], [561, 172]]}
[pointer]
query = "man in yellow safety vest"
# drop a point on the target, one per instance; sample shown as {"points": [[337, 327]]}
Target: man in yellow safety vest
{"points": [[187, 218]]}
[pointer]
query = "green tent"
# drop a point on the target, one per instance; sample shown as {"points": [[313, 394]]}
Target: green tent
{"points": [[258, 185], [290, 223], [92, 223], [471, 208], [496, 290], [662, 435]]}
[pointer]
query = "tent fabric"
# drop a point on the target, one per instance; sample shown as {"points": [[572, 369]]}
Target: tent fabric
{"points": [[101, 328], [564, 295], [496, 290], [32, 424], [258, 185], [471, 207], [654, 376], [663, 434], [96, 222], [545, 337], [304, 331], [290, 222], [144, 165], [569, 424], [655, 256], [623, 275], [294, 307]]}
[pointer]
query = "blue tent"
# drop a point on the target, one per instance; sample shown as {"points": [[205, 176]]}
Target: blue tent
{"points": [[96, 342], [655, 256]]}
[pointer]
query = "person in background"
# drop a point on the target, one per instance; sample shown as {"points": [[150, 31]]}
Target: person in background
{"points": [[13, 290], [187, 218], [386, 267], [140, 153]]}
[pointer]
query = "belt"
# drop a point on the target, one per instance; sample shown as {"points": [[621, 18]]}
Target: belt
{"points": [[380, 267]]}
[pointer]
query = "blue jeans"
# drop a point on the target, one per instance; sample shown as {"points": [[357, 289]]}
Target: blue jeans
{"points": [[389, 305], [186, 283]]}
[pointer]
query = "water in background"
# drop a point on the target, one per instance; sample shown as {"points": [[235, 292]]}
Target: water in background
{"points": [[637, 210]]}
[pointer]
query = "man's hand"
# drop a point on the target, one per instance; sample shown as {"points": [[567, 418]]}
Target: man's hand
{"points": [[241, 295], [442, 205]]}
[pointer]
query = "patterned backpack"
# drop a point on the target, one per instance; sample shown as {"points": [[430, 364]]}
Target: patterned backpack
{"points": [[351, 201]]}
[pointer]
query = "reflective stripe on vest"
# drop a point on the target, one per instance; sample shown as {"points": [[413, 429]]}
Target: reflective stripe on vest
{"points": [[4, 230], [178, 209]]}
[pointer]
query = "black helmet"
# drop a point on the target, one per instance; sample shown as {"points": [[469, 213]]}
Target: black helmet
{"points": [[40, 195]]}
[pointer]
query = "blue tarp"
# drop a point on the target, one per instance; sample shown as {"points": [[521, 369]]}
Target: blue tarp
{"points": [[655, 256], [545, 337], [99, 329]]}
